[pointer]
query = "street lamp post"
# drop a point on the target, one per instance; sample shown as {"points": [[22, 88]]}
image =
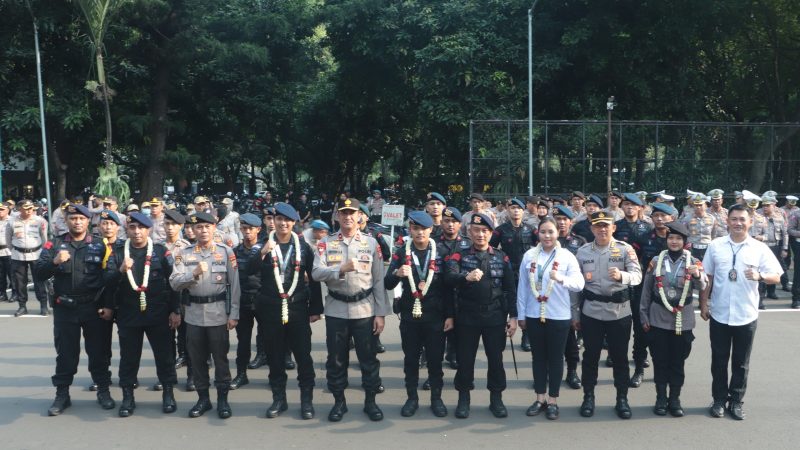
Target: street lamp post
{"points": [[530, 97], [610, 107]]}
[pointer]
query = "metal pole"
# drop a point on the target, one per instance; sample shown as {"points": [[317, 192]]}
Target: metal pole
{"points": [[471, 175], [546, 158], [1, 165], [621, 162], [610, 107], [41, 112], [583, 156], [656, 155], [530, 98]]}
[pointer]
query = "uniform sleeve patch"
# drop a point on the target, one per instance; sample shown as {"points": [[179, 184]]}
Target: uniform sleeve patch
{"points": [[48, 245]]}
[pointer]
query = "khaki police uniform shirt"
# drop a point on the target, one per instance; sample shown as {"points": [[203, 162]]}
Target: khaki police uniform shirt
{"points": [[157, 232], [702, 230], [594, 262], [331, 252], [759, 228], [26, 234], [229, 229], [174, 247], [722, 219], [775, 232], [222, 270], [58, 223], [5, 248]]}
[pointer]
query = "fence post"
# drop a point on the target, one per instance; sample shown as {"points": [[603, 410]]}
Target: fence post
{"points": [[621, 164], [583, 155], [771, 156], [728, 152], [546, 157], [471, 168], [508, 157], [656, 153]]}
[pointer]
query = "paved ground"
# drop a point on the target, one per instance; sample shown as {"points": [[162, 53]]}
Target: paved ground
{"points": [[27, 362]]}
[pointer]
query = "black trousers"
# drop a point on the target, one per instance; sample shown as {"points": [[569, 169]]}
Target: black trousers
{"points": [[796, 273], [202, 341], [732, 343], [669, 354], [244, 334], [131, 340], [279, 339], [572, 353], [415, 335], [776, 250], [548, 341], [5, 276], [639, 352], [67, 338], [618, 334], [494, 343], [19, 283], [338, 332], [698, 253]]}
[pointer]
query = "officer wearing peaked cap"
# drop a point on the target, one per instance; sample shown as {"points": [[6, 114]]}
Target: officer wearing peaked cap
{"points": [[5, 253], [26, 234], [717, 210], [776, 238], [703, 227], [581, 225]]}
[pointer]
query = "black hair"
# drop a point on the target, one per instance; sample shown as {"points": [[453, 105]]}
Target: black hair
{"points": [[740, 207], [547, 220]]}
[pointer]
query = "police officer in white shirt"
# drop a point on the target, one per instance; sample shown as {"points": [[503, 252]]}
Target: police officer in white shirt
{"points": [[734, 264]]}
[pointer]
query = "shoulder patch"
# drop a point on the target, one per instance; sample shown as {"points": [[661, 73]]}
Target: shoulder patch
{"points": [[321, 248], [48, 245]]}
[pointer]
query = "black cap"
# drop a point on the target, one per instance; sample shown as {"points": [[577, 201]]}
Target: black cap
{"points": [[286, 210], [481, 219], [476, 196], [72, 209], [350, 203], [141, 219], [202, 217], [250, 219], [110, 215], [175, 216], [452, 212], [578, 194], [678, 228]]}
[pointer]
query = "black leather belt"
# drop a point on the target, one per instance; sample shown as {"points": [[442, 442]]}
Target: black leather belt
{"points": [[209, 299], [351, 298], [616, 297], [3, 247], [27, 250]]}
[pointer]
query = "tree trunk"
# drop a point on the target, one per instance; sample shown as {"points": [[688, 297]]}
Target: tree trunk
{"points": [[60, 172], [153, 176]]}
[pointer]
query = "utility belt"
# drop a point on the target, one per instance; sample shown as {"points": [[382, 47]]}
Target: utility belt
{"points": [[209, 299], [617, 297], [351, 298], [72, 301], [495, 305], [27, 250]]}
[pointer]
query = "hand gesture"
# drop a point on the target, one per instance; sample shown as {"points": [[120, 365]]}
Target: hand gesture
{"points": [[199, 269], [61, 257], [614, 273], [404, 271], [127, 264], [475, 275], [348, 266]]}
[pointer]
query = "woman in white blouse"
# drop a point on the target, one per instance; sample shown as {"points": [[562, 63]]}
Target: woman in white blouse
{"points": [[547, 275]]}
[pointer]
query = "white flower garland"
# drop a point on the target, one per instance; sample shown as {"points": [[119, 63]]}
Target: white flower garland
{"points": [[542, 299], [677, 310], [141, 289], [277, 272], [416, 292]]}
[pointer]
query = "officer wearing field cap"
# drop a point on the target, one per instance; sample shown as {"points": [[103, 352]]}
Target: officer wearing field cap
{"points": [[576, 203], [791, 206], [26, 234], [209, 272], [486, 309], [610, 267], [581, 225], [776, 238], [717, 210], [703, 227], [316, 231], [435, 203], [173, 226], [759, 228], [425, 308], [75, 261], [614, 199], [451, 241], [350, 263], [476, 204]]}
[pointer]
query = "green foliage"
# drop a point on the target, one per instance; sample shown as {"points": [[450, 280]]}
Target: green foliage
{"points": [[109, 183]]}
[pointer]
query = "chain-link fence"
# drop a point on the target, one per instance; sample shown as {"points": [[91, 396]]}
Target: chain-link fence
{"points": [[646, 155]]}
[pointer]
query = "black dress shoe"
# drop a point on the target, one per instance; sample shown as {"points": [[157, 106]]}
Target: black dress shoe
{"points": [[573, 380], [552, 412], [239, 380], [717, 409], [21, 311], [536, 408], [496, 405], [646, 363], [338, 410], [380, 348], [622, 408], [190, 387], [158, 386], [587, 407], [450, 357], [735, 409], [426, 386], [290, 365], [380, 389], [93, 387], [636, 379], [258, 361], [180, 361], [525, 343]]}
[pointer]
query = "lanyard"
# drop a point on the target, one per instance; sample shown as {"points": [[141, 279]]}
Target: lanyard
{"points": [[733, 266], [675, 273], [422, 272], [540, 273], [284, 262]]}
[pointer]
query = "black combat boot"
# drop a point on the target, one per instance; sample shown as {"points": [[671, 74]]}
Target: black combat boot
{"points": [[306, 402], [258, 361], [462, 409], [21, 311], [339, 407], [437, 405], [525, 345], [168, 404], [190, 387], [638, 375], [128, 402], [279, 403], [675, 408], [240, 379], [203, 404], [223, 408], [371, 408], [61, 402], [104, 398], [496, 405], [622, 408], [660, 409], [43, 310], [573, 380], [412, 403], [587, 407]]}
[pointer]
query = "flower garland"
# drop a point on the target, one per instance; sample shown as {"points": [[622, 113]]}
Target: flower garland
{"points": [[678, 309], [277, 272], [541, 298], [422, 288], [141, 289]]}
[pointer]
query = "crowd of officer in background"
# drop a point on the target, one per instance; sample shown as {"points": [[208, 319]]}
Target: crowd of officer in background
{"points": [[570, 272]]}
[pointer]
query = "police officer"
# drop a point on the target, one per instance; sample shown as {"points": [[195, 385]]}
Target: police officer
{"points": [[138, 272], [268, 221], [26, 234], [288, 303], [571, 242], [609, 267], [157, 233], [173, 226], [5, 254], [385, 251], [583, 227], [776, 238], [209, 272], [486, 308], [793, 230], [631, 230], [576, 202], [426, 310], [614, 199], [350, 263], [717, 209], [703, 227], [74, 260], [435, 205], [515, 238], [247, 255], [653, 243], [451, 241]]}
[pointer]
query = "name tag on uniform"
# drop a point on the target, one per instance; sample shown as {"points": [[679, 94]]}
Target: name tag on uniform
{"points": [[334, 258], [364, 263]]}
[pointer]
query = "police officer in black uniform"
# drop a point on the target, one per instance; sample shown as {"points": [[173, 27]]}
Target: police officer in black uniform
{"points": [[287, 330], [451, 241], [486, 309], [426, 309], [247, 253], [515, 238], [632, 230], [152, 310], [385, 251], [74, 260], [582, 226]]}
